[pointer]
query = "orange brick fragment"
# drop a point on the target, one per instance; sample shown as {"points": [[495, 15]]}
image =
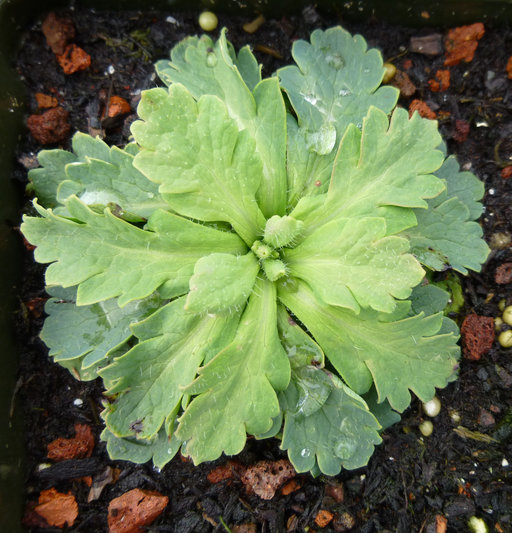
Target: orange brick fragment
{"points": [[323, 518], [74, 59], [135, 509], [461, 43], [57, 508], [477, 336], [118, 106], [422, 108], [77, 447], [230, 470], [265, 477], [441, 82], [290, 487], [50, 127], [509, 68], [441, 523], [506, 172], [59, 31], [45, 101]]}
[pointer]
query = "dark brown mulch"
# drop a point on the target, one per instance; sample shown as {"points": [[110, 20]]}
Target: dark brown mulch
{"points": [[410, 479]]}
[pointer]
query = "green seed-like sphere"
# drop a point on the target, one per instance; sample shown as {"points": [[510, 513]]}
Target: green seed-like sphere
{"points": [[208, 21], [507, 315], [389, 72], [426, 428], [477, 525], [505, 338]]}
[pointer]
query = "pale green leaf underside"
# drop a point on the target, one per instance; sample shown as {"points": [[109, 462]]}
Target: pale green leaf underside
{"points": [[222, 283], [206, 168], [150, 378], [309, 173], [108, 258], [398, 356], [89, 332], [207, 68], [301, 349], [343, 432], [235, 391], [334, 84], [161, 449], [97, 174], [307, 392], [351, 263], [446, 235]]}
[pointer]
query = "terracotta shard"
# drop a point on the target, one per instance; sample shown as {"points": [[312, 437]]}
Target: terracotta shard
{"points": [[51, 127], [422, 108], [477, 336], [74, 59], [323, 518], [265, 477], [402, 82], [57, 508], [135, 509], [441, 81], [461, 43], [77, 447], [503, 274], [58, 31]]}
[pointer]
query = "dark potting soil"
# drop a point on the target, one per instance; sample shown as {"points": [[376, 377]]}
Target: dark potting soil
{"points": [[411, 482]]}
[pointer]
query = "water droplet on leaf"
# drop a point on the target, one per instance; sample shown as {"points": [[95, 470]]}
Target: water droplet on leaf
{"points": [[345, 448], [306, 452]]}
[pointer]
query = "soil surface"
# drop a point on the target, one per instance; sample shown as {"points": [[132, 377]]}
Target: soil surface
{"points": [[412, 483]]}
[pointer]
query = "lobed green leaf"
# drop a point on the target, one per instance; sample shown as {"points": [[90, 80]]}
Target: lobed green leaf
{"points": [[247, 373], [108, 257], [398, 355], [207, 68]]}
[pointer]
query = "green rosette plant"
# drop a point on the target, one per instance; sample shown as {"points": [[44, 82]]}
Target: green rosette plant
{"points": [[255, 263]]}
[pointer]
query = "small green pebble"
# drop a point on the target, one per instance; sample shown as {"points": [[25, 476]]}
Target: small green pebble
{"points": [[505, 338], [389, 72], [477, 525], [426, 428], [498, 322], [507, 315], [208, 21]]}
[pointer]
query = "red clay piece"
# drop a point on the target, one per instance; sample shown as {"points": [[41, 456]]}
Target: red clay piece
{"points": [[135, 509], [441, 81], [57, 508], [477, 336], [230, 470], [118, 106], [74, 59], [265, 477], [506, 172], [422, 108], [59, 32], [78, 447], [323, 518], [402, 82], [509, 68], [461, 130], [461, 43], [503, 274], [45, 101], [50, 127]]}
